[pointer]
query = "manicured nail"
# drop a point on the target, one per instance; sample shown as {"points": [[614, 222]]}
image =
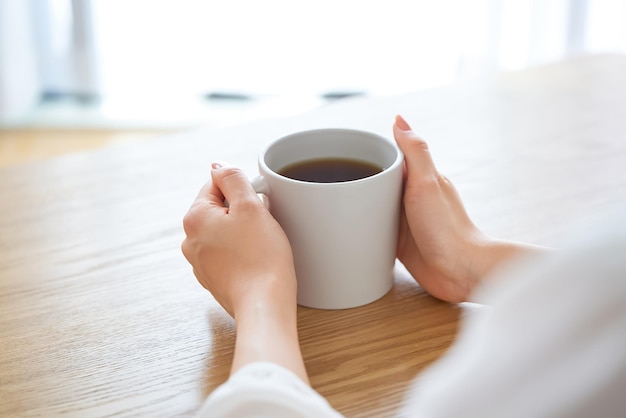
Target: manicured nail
{"points": [[402, 124], [216, 166]]}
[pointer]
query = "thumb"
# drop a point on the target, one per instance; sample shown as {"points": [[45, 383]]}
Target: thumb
{"points": [[234, 185], [417, 156]]}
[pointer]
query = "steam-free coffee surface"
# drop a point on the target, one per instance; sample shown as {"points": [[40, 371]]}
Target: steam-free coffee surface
{"points": [[330, 170]]}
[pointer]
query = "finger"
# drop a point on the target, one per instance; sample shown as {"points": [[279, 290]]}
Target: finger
{"points": [[416, 153], [211, 193], [234, 185]]}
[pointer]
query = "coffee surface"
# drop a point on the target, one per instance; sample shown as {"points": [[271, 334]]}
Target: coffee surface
{"points": [[330, 170]]}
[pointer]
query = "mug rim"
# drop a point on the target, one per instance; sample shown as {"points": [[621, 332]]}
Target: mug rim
{"points": [[398, 160]]}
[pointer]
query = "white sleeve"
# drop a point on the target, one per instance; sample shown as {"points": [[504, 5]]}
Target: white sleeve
{"points": [[266, 390], [551, 343]]}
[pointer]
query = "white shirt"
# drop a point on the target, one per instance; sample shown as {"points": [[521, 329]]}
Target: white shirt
{"points": [[550, 342]]}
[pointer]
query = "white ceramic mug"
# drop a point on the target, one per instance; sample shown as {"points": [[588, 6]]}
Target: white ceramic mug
{"points": [[343, 235]]}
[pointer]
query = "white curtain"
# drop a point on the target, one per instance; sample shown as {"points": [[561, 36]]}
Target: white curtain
{"points": [[19, 79], [161, 50]]}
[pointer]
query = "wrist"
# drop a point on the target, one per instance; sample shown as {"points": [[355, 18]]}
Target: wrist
{"points": [[490, 253], [272, 294]]}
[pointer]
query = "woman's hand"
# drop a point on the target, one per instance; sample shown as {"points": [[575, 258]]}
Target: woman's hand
{"points": [[238, 252], [438, 243], [241, 255], [437, 238]]}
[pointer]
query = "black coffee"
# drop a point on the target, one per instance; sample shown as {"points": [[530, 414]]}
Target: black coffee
{"points": [[330, 170]]}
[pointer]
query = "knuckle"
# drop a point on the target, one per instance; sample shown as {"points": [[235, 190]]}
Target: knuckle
{"points": [[189, 220], [422, 185], [186, 250], [418, 144], [230, 173], [427, 181], [193, 219], [443, 180]]}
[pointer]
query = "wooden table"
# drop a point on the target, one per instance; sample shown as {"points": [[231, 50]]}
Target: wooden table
{"points": [[100, 314]]}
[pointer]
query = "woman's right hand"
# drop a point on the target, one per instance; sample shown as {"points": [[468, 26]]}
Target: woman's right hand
{"points": [[238, 252]]}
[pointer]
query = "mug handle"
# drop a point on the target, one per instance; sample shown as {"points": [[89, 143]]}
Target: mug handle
{"points": [[260, 185]]}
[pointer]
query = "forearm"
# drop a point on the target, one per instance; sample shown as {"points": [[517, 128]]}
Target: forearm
{"points": [[267, 331]]}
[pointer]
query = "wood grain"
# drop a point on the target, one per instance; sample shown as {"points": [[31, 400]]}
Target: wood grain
{"points": [[100, 314]]}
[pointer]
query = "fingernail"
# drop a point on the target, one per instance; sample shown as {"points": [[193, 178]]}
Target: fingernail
{"points": [[402, 124], [219, 164]]}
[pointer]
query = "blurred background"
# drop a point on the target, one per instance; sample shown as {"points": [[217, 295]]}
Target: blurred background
{"points": [[77, 74]]}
